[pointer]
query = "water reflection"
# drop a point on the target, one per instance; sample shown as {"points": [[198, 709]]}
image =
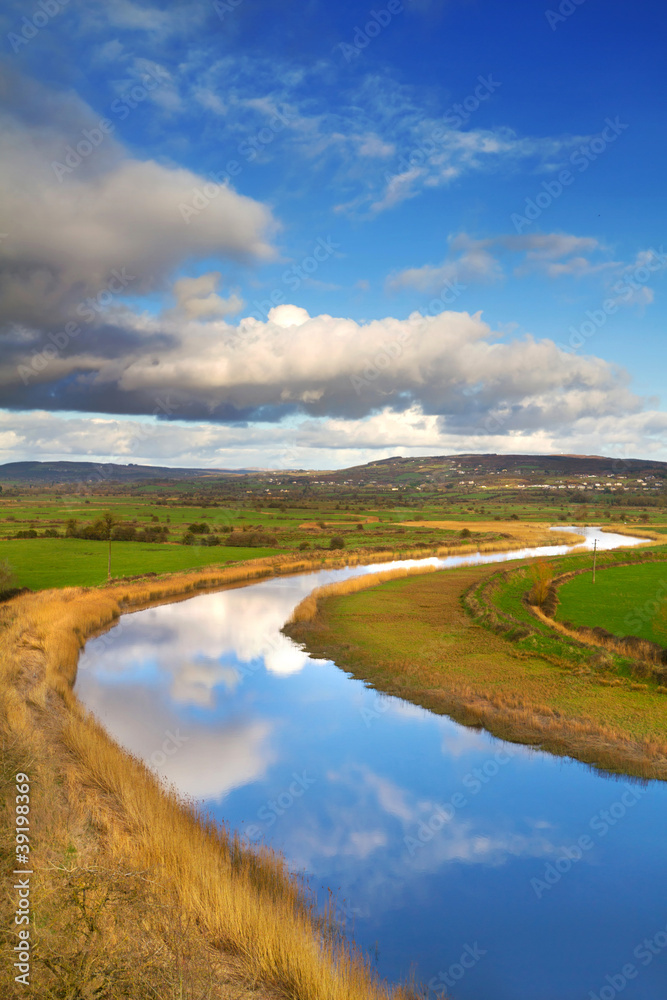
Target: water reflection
{"points": [[436, 838]]}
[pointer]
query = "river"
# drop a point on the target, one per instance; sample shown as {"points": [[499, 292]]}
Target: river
{"points": [[496, 871]]}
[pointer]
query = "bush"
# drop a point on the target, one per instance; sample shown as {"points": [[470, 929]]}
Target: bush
{"points": [[542, 573], [337, 542], [124, 533], [188, 538], [6, 576], [212, 540], [27, 533], [464, 533], [199, 529], [252, 539], [304, 545], [51, 533]]}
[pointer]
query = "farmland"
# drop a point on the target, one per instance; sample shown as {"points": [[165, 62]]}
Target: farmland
{"points": [[625, 600]]}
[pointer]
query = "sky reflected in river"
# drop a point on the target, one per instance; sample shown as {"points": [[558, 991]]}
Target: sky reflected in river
{"points": [[435, 838]]}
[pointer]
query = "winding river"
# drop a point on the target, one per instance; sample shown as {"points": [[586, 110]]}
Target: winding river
{"points": [[497, 872]]}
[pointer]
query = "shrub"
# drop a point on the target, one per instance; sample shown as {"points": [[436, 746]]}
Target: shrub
{"points": [[464, 533], [124, 533], [542, 573], [360, 527], [199, 529], [337, 542], [252, 539], [304, 545], [51, 533], [188, 538], [6, 576], [27, 533]]}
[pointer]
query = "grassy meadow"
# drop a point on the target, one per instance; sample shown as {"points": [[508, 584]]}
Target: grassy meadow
{"points": [[138, 896], [625, 600], [412, 637], [40, 563]]}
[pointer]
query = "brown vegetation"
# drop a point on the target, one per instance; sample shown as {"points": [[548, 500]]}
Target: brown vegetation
{"points": [[138, 895]]}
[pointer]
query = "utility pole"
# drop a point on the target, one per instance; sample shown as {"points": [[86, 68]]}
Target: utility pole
{"points": [[108, 520], [595, 551]]}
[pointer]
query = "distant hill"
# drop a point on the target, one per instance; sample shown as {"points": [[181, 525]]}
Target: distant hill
{"points": [[98, 472], [384, 471], [520, 466]]}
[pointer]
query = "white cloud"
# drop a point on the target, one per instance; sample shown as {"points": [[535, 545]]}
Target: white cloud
{"points": [[196, 298], [73, 221], [555, 255], [314, 444]]}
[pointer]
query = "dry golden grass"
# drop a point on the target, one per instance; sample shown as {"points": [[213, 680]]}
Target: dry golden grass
{"points": [[626, 529], [307, 609], [139, 895], [524, 534]]}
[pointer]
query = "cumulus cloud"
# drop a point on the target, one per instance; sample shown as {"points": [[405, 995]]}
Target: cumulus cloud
{"points": [[451, 365], [80, 211], [197, 298], [315, 444]]}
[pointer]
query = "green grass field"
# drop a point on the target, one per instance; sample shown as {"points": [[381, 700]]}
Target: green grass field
{"points": [[625, 600], [412, 638], [40, 563]]}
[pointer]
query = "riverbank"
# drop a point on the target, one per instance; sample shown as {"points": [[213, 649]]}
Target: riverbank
{"points": [[136, 894], [412, 638]]}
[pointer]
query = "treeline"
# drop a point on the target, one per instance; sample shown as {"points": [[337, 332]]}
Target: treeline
{"points": [[247, 538], [98, 531]]}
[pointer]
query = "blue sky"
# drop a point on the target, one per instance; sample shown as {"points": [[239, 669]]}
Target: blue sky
{"points": [[461, 199]]}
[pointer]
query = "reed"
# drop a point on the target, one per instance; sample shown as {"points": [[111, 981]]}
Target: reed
{"points": [[136, 886]]}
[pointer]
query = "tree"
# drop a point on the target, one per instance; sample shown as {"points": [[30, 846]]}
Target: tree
{"points": [[108, 520], [542, 574], [7, 580]]}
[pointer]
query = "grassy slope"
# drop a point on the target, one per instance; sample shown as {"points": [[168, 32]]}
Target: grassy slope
{"points": [[40, 563], [412, 638], [624, 600], [135, 895]]}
